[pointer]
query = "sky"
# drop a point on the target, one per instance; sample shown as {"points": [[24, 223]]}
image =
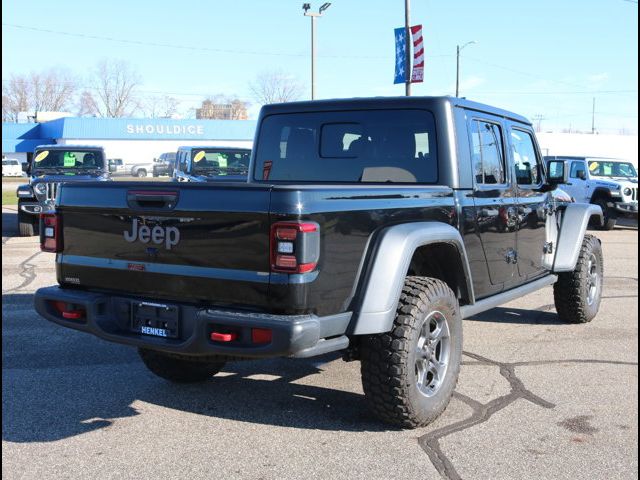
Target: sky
{"points": [[546, 60]]}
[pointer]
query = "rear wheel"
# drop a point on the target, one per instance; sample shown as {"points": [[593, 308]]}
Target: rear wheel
{"points": [[179, 368], [577, 294], [609, 215], [141, 173], [409, 373], [27, 224]]}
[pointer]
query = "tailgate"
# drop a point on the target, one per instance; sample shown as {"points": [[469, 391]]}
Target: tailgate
{"points": [[186, 242]]}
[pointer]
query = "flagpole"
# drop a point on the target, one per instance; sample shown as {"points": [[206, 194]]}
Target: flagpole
{"points": [[408, 49]]}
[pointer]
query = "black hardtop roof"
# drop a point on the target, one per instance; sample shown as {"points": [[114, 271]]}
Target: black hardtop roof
{"points": [[205, 147], [69, 147], [585, 157], [372, 103]]}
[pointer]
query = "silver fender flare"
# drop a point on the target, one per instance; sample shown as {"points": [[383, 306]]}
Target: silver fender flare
{"points": [[391, 260], [575, 219]]}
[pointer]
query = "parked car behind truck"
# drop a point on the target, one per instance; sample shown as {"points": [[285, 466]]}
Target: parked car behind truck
{"points": [[164, 164], [11, 168], [610, 183], [51, 166], [206, 164], [371, 226]]}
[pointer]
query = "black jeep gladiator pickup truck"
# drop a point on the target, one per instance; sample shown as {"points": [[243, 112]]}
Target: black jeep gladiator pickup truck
{"points": [[372, 226]]}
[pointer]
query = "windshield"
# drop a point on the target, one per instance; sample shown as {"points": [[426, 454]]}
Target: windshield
{"points": [[10, 162], [359, 146], [214, 162], [606, 168], [71, 159]]}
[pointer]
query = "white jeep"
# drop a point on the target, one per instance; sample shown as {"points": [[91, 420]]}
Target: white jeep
{"points": [[610, 183]]}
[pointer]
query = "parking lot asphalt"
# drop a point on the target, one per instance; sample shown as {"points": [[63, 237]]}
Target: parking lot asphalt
{"points": [[536, 398]]}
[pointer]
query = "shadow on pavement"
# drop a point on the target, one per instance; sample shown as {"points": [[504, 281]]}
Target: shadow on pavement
{"points": [[540, 316], [59, 383], [9, 224]]}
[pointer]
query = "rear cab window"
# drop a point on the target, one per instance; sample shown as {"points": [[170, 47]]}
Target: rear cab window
{"points": [[359, 146], [487, 153]]}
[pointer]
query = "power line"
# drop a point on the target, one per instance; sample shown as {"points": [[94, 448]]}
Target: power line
{"points": [[188, 47], [528, 74], [586, 92]]}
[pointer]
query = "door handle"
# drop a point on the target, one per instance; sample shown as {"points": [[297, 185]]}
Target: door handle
{"points": [[568, 183]]}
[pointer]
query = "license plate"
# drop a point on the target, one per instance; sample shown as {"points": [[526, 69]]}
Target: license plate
{"points": [[155, 319]]}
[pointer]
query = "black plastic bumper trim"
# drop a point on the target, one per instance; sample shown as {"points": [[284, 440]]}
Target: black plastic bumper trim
{"points": [[108, 317]]}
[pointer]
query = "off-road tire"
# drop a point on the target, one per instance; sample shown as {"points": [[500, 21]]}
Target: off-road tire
{"points": [[570, 292], [609, 215], [27, 226], [388, 360], [179, 368]]}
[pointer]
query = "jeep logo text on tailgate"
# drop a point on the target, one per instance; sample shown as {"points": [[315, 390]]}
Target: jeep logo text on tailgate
{"points": [[170, 236]]}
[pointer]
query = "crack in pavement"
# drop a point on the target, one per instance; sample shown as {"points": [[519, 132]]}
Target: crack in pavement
{"points": [[27, 272], [482, 412]]}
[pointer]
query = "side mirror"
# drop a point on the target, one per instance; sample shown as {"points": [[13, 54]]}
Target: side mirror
{"points": [[557, 172], [581, 174]]}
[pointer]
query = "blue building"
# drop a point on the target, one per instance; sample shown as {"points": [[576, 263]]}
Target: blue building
{"points": [[135, 140]]}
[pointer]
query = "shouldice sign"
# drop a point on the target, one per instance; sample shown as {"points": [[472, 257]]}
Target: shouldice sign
{"points": [[161, 129]]}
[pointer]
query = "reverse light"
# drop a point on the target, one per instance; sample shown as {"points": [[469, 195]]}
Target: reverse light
{"points": [[50, 233], [295, 247]]}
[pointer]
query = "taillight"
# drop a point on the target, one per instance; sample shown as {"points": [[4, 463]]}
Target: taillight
{"points": [[50, 233], [295, 247]]}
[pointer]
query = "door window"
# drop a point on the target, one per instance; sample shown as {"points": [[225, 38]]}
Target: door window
{"points": [[487, 153], [524, 158], [575, 168]]}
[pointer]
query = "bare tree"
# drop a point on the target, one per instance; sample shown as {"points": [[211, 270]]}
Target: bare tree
{"points": [[15, 97], [275, 87], [53, 90], [87, 105], [161, 106], [115, 85], [50, 90]]}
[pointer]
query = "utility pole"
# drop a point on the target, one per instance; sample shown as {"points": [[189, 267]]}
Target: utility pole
{"points": [[593, 116], [306, 7], [408, 41], [458, 50], [539, 119]]}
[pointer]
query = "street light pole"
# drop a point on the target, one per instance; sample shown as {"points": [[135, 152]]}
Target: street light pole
{"points": [[407, 63], [306, 7], [458, 49]]}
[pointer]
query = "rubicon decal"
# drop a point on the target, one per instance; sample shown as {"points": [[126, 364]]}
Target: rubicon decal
{"points": [[169, 236]]}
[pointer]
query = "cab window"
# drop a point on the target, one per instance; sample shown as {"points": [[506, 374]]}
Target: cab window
{"points": [[487, 153], [527, 166]]}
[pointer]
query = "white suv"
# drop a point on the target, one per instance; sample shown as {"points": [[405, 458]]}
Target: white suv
{"points": [[11, 168], [611, 183]]}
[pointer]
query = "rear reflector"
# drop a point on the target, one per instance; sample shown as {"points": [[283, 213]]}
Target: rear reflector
{"points": [[69, 311], [223, 337]]}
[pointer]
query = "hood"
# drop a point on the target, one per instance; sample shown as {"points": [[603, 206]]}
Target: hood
{"points": [[617, 180], [60, 178]]}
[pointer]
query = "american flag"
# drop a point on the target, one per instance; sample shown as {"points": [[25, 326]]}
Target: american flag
{"points": [[418, 54], [401, 55]]}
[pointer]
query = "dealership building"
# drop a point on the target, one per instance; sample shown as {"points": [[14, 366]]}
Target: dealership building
{"points": [[135, 140]]}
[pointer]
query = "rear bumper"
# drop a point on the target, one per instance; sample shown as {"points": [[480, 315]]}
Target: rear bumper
{"points": [[109, 317]]}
